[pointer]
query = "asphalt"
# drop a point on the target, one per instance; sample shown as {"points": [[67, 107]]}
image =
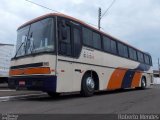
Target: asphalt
{"points": [[5, 91], [110, 102]]}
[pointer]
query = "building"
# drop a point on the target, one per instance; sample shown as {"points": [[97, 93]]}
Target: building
{"points": [[156, 73], [6, 53]]}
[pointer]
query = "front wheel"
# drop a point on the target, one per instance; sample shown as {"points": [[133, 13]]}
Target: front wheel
{"points": [[88, 86]]}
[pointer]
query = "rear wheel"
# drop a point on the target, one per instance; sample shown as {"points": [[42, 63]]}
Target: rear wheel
{"points": [[53, 94], [88, 86], [143, 83]]}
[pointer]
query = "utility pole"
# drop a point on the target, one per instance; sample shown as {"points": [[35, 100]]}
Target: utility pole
{"points": [[99, 18], [159, 67]]}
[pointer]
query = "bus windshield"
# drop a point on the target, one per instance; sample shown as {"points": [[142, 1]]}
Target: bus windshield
{"points": [[35, 38]]}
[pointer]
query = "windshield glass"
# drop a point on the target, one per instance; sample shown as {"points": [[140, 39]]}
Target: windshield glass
{"points": [[35, 38]]}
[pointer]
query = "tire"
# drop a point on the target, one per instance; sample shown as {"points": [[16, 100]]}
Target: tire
{"points": [[143, 83], [87, 86], [53, 94]]}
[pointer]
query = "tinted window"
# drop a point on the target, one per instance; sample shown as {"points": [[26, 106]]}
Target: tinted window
{"points": [[87, 37], [132, 54], [122, 50], [77, 42], [106, 44], [140, 57], [68, 38], [76, 36], [109, 45], [146, 59], [96, 40], [113, 46], [150, 60], [65, 44]]}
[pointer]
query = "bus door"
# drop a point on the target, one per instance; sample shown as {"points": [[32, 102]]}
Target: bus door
{"points": [[77, 47], [69, 48]]}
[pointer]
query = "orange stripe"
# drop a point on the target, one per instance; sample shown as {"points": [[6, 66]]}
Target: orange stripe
{"points": [[29, 71], [136, 79], [116, 79], [16, 72]]}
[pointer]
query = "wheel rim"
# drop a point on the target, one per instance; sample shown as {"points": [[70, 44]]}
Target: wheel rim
{"points": [[90, 84], [143, 83]]}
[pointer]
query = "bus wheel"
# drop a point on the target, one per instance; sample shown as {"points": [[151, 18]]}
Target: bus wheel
{"points": [[53, 94], [88, 86], [143, 83]]}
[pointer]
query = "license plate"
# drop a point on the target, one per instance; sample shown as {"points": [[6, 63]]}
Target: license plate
{"points": [[22, 83]]}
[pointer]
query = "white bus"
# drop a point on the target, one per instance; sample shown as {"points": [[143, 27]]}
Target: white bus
{"points": [[57, 54]]}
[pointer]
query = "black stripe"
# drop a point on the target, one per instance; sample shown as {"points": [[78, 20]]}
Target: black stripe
{"points": [[77, 70], [127, 80], [27, 65]]}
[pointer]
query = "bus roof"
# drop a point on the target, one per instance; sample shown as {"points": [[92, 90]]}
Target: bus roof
{"points": [[76, 20]]}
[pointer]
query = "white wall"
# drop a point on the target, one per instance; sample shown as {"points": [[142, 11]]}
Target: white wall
{"points": [[6, 53], [156, 80]]}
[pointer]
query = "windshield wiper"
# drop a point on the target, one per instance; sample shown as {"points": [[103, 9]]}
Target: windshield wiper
{"points": [[19, 47], [25, 47]]}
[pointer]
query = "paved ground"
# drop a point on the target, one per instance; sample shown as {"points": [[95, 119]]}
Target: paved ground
{"points": [[4, 91], [126, 101]]}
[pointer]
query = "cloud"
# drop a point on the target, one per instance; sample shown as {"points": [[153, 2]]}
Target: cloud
{"points": [[133, 21]]}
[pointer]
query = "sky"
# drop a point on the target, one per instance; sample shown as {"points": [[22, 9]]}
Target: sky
{"points": [[136, 22]]}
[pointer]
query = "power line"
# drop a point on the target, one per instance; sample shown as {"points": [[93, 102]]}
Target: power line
{"points": [[53, 10], [91, 24], [42, 6], [108, 8]]}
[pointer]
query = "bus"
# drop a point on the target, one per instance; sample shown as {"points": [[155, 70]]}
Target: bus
{"points": [[56, 53]]}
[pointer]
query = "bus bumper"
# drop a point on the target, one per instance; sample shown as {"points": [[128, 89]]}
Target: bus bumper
{"points": [[40, 83]]}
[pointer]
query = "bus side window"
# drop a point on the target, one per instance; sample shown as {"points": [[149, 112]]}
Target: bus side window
{"points": [[106, 44], [65, 39], [97, 40], [77, 42], [146, 59], [87, 37], [132, 54], [150, 60], [64, 34], [140, 56], [123, 50]]}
